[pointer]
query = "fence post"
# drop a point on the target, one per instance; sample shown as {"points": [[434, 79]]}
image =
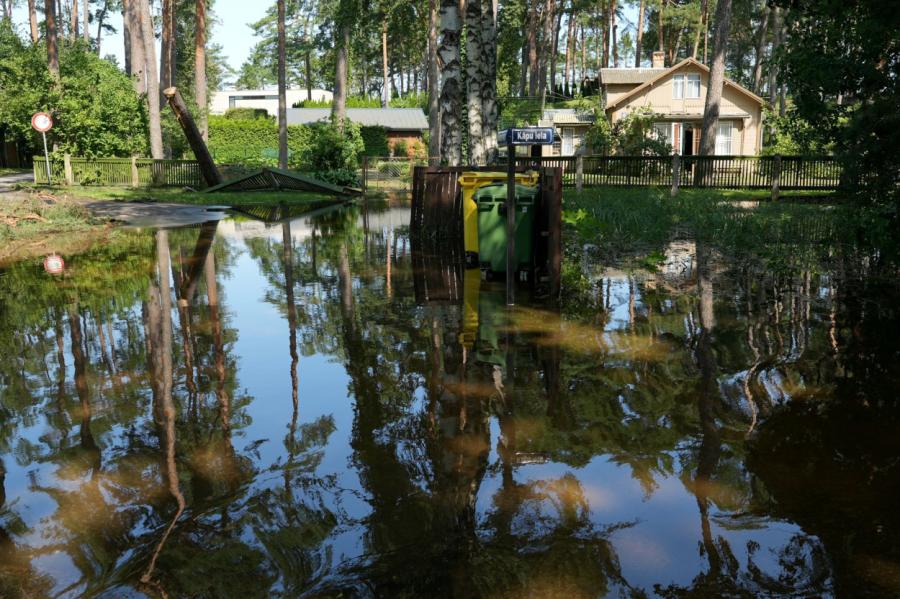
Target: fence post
{"points": [[135, 177], [365, 173], [776, 178], [579, 172], [67, 169], [676, 173]]}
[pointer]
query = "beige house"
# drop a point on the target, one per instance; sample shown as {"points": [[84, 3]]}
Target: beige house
{"points": [[571, 128], [677, 96]]}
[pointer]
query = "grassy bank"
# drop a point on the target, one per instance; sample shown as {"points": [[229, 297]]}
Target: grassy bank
{"points": [[180, 196]]}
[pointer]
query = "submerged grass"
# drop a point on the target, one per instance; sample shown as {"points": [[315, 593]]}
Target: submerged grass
{"points": [[25, 216]]}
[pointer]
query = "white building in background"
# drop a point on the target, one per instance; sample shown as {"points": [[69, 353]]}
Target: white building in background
{"points": [[266, 99]]}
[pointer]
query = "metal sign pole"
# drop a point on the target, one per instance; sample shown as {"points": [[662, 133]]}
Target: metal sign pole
{"points": [[510, 222], [46, 157]]}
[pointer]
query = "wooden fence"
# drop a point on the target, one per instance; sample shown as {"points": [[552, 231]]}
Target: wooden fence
{"points": [[721, 172], [119, 172]]}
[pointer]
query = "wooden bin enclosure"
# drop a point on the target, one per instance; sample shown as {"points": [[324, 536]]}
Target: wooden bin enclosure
{"points": [[436, 227]]}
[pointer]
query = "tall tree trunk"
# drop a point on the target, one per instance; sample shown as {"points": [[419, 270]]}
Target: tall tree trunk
{"points": [[434, 84], [200, 82], [282, 90], [660, 29], [760, 47], [489, 81], [554, 53], [777, 36], [167, 49], [451, 89], [583, 60], [85, 21], [534, 74], [474, 80], [101, 19], [701, 27], [73, 21], [716, 78], [604, 37], [341, 71], [570, 56], [640, 34], [546, 47], [614, 33], [307, 59], [127, 11], [33, 22], [156, 144], [136, 29], [385, 78], [52, 42]]}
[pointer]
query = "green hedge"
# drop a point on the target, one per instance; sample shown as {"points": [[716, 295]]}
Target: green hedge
{"points": [[254, 142], [375, 140]]}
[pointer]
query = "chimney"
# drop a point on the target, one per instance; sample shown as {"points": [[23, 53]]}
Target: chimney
{"points": [[659, 60]]}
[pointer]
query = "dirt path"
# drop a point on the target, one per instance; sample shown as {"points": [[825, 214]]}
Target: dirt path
{"points": [[9, 182]]}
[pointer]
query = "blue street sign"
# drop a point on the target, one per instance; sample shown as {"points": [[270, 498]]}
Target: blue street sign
{"points": [[530, 136]]}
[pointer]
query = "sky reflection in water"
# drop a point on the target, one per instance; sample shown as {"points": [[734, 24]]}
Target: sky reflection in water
{"points": [[710, 429]]}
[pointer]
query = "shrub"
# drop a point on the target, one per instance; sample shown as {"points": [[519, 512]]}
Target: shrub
{"points": [[340, 177], [375, 140], [332, 149], [400, 148], [254, 142], [245, 114]]}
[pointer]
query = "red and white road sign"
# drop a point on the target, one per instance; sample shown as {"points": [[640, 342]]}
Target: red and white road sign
{"points": [[54, 264], [41, 121]]}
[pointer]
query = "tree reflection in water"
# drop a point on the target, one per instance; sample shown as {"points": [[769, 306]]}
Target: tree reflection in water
{"points": [[482, 450]]}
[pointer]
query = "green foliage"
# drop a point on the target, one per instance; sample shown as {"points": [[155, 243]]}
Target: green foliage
{"points": [[94, 107], [247, 114], [401, 148], [254, 142], [334, 149], [375, 140], [352, 102], [419, 100], [793, 135]]}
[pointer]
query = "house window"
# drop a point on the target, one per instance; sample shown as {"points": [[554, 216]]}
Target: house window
{"points": [[568, 141], [678, 87], [663, 131], [693, 86], [723, 139]]}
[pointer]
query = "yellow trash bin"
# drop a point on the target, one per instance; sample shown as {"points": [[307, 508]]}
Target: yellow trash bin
{"points": [[470, 182]]}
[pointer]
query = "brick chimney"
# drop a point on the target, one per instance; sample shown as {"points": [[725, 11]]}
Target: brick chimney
{"points": [[659, 60]]}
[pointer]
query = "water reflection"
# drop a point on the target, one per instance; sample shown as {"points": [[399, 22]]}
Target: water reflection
{"points": [[307, 408]]}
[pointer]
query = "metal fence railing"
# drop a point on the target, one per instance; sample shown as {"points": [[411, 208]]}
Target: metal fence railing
{"points": [[119, 172], [391, 173]]}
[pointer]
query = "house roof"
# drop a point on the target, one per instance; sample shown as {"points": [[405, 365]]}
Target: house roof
{"points": [[393, 119], [628, 76], [567, 116], [686, 62]]}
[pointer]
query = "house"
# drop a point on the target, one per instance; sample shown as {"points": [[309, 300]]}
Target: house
{"points": [[266, 99], [402, 124], [571, 126], [677, 96]]}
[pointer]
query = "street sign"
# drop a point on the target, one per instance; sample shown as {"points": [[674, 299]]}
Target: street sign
{"points": [[54, 264], [42, 122], [529, 136]]}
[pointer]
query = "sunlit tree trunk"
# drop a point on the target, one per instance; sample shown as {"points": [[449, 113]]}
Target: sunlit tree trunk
{"points": [[474, 80], [33, 22], [52, 48], [127, 22], [73, 21], [777, 38], [716, 79], [149, 42], [489, 81], [434, 85], [167, 49], [532, 26], [570, 40], [200, 82], [547, 19], [614, 32], [451, 88], [339, 100], [85, 21], [554, 52], [701, 27], [760, 48], [640, 34], [282, 90], [385, 77]]}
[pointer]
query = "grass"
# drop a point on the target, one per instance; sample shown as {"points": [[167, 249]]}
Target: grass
{"points": [[25, 219], [180, 196], [12, 171]]}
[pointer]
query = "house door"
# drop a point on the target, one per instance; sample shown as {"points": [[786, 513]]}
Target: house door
{"points": [[688, 142], [568, 141]]}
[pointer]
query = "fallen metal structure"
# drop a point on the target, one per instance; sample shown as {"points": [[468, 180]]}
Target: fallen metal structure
{"points": [[273, 179]]}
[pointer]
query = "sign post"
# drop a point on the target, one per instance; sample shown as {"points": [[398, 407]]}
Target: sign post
{"points": [[531, 136], [43, 122]]}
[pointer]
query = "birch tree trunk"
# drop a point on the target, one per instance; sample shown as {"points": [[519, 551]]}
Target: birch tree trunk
{"points": [[640, 34], [489, 81], [434, 83], [451, 91], [33, 22], [474, 80], [52, 49], [85, 21], [200, 81], [156, 144], [282, 90], [716, 78]]}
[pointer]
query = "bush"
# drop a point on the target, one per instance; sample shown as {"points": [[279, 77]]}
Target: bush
{"points": [[375, 140], [400, 149], [340, 177], [254, 142], [332, 149], [247, 114]]}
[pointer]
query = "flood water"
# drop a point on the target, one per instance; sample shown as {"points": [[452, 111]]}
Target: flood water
{"points": [[307, 409]]}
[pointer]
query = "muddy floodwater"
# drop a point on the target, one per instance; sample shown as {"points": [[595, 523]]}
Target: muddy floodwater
{"points": [[309, 408]]}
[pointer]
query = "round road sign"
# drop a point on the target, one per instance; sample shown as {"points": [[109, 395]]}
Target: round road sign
{"points": [[41, 121], [54, 264]]}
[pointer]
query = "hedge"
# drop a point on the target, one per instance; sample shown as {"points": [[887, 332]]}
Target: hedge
{"points": [[375, 140], [254, 141]]}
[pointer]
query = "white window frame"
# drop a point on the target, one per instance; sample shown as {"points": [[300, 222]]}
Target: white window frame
{"points": [[692, 87], [678, 84], [724, 139], [568, 141]]}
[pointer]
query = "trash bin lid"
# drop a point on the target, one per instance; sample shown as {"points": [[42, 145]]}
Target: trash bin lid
{"points": [[497, 193]]}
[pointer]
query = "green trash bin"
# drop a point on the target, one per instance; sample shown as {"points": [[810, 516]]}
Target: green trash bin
{"points": [[491, 201]]}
